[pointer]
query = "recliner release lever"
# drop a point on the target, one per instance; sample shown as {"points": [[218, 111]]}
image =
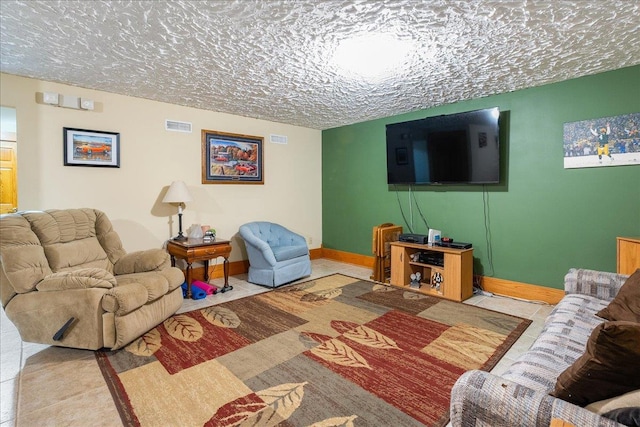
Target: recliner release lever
{"points": [[58, 335]]}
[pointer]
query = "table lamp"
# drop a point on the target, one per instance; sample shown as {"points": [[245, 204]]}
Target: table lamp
{"points": [[178, 193]]}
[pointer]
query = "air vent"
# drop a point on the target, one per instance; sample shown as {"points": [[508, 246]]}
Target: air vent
{"points": [[278, 139], [177, 126]]}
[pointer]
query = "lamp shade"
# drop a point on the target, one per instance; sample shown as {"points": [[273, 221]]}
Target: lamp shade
{"points": [[177, 193]]}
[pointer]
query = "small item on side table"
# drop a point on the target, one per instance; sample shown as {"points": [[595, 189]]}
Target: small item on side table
{"points": [[195, 232], [209, 235]]}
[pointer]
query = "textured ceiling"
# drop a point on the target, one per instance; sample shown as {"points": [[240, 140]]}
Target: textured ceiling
{"points": [[273, 59]]}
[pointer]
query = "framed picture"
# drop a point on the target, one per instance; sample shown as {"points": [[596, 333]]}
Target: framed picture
{"points": [[84, 147], [606, 141], [229, 158]]}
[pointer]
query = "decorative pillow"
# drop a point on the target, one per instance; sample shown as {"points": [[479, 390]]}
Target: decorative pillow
{"points": [[626, 416], [626, 305], [608, 368]]}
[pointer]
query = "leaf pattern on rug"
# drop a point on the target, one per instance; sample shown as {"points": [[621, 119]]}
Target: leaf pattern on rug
{"points": [[316, 338], [299, 287], [382, 288], [221, 316], [184, 328], [335, 351], [465, 345], [265, 408], [146, 345], [336, 422], [322, 295], [413, 295], [371, 338], [342, 326], [237, 411], [282, 399]]}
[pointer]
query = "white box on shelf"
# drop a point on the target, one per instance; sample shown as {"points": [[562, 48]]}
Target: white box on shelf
{"points": [[434, 236]]}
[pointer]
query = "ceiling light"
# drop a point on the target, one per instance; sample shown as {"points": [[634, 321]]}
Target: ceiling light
{"points": [[371, 56]]}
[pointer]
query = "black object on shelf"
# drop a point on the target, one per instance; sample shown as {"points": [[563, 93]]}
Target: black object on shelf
{"points": [[455, 245]]}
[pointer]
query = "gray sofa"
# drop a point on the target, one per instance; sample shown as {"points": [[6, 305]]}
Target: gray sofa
{"points": [[520, 397]]}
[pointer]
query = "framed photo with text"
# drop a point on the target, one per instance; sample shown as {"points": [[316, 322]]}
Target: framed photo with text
{"points": [[229, 158], [84, 147]]}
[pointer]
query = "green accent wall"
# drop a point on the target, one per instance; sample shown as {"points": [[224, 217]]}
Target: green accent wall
{"points": [[542, 220]]}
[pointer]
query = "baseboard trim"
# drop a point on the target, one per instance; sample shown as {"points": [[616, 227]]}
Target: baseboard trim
{"points": [[349, 258], [217, 271], [315, 253], [521, 290], [494, 285]]}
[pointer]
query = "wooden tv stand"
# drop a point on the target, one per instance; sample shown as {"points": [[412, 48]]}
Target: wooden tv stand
{"points": [[453, 266]]}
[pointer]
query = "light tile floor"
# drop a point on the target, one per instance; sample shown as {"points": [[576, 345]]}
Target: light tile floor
{"points": [[53, 386]]}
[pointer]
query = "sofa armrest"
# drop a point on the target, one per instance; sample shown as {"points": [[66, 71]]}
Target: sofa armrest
{"points": [[142, 261], [81, 278], [481, 398], [599, 284]]}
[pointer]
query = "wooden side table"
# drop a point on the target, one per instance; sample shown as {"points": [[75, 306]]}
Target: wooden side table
{"points": [[192, 250]]}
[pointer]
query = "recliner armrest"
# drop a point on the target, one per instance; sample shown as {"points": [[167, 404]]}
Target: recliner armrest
{"points": [[81, 278], [122, 300], [142, 261]]}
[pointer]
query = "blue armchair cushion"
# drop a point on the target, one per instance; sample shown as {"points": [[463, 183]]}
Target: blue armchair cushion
{"points": [[283, 253]]}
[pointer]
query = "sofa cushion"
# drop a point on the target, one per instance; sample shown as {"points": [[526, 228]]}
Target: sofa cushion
{"points": [[69, 238], [22, 258], [626, 305], [142, 261], [283, 253], [608, 368]]}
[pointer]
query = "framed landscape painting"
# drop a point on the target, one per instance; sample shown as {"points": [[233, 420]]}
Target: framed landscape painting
{"points": [[607, 141], [84, 147], [229, 158]]}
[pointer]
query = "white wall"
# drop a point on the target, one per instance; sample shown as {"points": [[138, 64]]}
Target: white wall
{"points": [[151, 158]]}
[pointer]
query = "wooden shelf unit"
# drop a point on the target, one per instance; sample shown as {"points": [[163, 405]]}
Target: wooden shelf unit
{"points": [[456, 270]]}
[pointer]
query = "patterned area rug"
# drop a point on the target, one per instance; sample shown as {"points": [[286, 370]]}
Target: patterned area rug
{"points": [[336, 351]]}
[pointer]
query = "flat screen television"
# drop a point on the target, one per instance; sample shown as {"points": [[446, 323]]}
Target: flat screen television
{"points": [[461, 148]]}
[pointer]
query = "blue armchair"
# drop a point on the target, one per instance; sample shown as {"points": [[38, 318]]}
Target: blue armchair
{"points": [[276, 255]]}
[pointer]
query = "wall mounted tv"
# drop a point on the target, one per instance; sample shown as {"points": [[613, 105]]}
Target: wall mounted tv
{"points": [[460, 148]]}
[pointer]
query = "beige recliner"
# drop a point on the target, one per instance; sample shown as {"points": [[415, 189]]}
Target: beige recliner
{"points": [[68, 267]]}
